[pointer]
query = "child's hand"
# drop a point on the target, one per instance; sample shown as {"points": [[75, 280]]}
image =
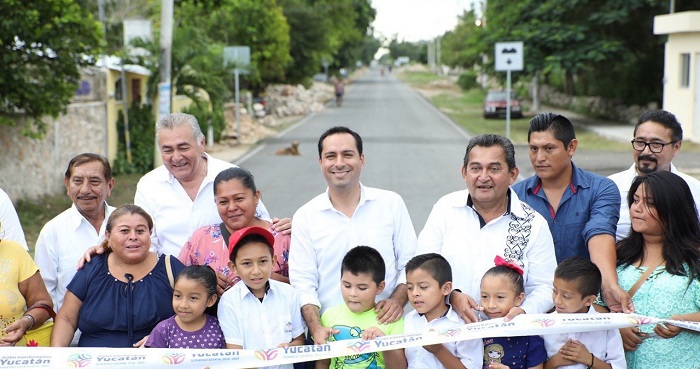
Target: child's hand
{"points": [[575, 351], [372, 333], [498, 366], [559, 360], [667, 330]]}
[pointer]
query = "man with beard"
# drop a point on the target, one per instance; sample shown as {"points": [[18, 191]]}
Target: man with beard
{"points": [[657, 140]]}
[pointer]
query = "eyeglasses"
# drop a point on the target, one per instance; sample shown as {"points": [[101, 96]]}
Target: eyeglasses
{"points": [[655, 147]]}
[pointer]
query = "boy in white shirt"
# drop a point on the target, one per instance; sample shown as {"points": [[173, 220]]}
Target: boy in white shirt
{"points": [[429, 282], [576, 284], [258, 313]]}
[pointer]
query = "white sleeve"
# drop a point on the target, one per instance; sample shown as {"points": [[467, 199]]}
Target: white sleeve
{"points": [[142, 199], [261, 212], [10, 227], [540, 272], [303, 268], [298, 324], [470, 352], [615, 354], [46, 259], [404, 239], [431, 237], [228, 316]]}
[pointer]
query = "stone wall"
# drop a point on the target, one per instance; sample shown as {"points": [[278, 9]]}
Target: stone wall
{"points": [[32, 168], [609, 109]]}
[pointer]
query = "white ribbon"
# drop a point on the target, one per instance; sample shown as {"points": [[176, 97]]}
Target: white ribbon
{"points": [[522, 325]]}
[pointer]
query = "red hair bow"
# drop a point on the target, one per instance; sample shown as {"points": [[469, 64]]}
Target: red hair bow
{"points": [[509, 264]]}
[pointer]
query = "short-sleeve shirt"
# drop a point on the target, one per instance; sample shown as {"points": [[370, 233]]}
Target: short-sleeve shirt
{"points": [[257, 325], [350, 326], [107, 303], [168, 334], [16, 265], [469, 352], [514, 352], [208, 245], [589, 207]]}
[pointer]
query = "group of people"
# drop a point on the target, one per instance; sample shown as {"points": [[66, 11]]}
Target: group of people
{"points": [[565, 240]]}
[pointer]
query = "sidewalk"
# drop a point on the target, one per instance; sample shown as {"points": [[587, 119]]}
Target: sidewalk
{"points": [[615, 131]]}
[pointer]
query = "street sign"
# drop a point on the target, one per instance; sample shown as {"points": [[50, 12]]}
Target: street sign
{"points": [[509, 56], [238, 57]]}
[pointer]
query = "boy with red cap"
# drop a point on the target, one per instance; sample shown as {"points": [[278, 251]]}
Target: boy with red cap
{"points": [[259, 313]]}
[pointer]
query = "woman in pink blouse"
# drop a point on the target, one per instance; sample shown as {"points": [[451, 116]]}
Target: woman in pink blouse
{"points": [[236, 198]]}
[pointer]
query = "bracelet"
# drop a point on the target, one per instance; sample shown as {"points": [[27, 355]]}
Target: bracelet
{"points": [[592, 361], [31, 320]]}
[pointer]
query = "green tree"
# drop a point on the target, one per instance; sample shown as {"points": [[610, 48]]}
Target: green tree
{"points": [[43, 45], [463, 46], [416, 51], [259, 24], [332, 29]]}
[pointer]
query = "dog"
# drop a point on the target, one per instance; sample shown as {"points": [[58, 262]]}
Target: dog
{"points": [[291, 150]]}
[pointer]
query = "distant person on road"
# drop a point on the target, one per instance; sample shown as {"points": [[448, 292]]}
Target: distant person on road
{"points": [[471, 227], [339, 91], [10, 227], [66, 237], [581, 208], [346, 215], [657, 140]]}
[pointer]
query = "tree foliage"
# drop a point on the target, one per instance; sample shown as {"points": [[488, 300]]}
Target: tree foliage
{"points": [[43, 46], [416, 51], [259, 24], [597, 47], [334, 30]]}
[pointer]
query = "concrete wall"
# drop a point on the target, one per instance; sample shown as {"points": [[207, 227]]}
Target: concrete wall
{"points": [[33, 168], [679, 100]]}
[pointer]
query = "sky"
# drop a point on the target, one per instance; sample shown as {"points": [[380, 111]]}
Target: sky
{"points": [[415, 20]]}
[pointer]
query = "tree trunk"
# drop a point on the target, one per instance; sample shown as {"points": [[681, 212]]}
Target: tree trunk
{"points": [[569, 83]]}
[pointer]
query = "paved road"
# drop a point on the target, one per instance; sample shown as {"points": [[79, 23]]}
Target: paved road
{"points": [[410, 148]]}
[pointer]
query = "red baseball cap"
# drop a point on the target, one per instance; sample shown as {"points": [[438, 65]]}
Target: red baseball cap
{"points": [[239, 234]]}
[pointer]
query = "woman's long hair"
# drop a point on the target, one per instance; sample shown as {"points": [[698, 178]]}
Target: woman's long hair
{"points": [[678, 217]]}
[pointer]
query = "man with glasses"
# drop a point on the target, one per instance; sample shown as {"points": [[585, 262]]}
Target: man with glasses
{"points": [[657, 139]]}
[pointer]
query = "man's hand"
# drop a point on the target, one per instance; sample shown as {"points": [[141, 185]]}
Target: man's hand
{"points": [[321, 334], [283, 225], [464, 306], [89, 253], [513, 312], [575, 351], [617, 299], [388, 311], [631, 338]]}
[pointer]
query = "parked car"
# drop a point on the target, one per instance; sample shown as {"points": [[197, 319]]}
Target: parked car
{"points": [[495, 105]]}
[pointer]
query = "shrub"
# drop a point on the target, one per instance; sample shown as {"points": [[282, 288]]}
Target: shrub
{"points": [[142, 136], [467, 80]]}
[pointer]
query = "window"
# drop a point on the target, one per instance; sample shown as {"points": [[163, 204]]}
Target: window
{"points": [[685, 70], [118, 89]]}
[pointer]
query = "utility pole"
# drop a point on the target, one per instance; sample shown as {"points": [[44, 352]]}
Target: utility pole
{"points": [[165, 65], [101, 14]]}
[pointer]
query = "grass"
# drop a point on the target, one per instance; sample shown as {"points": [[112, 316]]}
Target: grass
{"points": [[33, 214], [465, 108]]}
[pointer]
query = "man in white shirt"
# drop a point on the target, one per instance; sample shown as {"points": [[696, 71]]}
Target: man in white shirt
{"points": [[10, 227], [65, 238], [179, 194], [348, 214], [657, 140], [471, 227]]}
